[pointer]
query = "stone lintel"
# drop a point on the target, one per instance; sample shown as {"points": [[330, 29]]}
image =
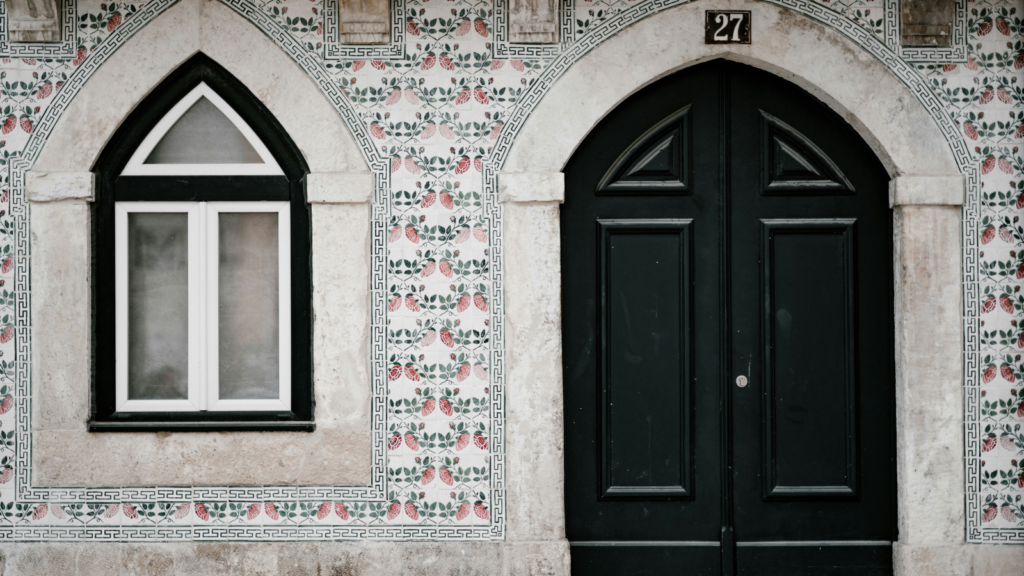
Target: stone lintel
{"points": [[55, 186], [926, 191], [339, 187], [364, 21], [531, 187]]}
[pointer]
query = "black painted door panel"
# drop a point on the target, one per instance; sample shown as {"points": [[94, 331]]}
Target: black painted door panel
{"points": [[724, 223], [812, 328], [633, 477]]}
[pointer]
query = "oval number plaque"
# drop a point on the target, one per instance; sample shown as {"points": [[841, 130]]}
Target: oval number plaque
{"points": [[727, 27]]}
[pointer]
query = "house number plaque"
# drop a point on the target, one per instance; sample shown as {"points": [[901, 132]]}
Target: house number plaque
{"points": [[727, 27]]}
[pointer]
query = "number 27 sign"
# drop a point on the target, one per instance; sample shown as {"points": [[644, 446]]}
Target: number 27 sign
{"points": [[727, 27]]}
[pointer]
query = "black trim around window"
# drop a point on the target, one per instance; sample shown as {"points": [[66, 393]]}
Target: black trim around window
{"points": [[112, 187]]}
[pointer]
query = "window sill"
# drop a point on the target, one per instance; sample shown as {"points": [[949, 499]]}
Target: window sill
{"points": [[289, 426]]}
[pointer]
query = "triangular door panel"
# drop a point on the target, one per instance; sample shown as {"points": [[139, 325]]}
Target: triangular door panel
{"points": [[204, 135], [791, 163], [657, 162]]}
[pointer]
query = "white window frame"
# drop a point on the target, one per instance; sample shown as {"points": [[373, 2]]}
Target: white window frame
{"points": [[284, 305], [121, 211], [137, 166], [203, 307]]}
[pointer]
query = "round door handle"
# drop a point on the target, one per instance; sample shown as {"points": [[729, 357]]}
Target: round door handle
{"points": [[741, 381]]}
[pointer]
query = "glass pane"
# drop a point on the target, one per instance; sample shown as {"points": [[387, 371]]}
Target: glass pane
{"points": [[248, 301], [157, 306], [204, 135]]}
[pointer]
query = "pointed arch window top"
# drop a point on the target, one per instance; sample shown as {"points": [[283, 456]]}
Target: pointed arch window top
{"points": [[202, 136]]}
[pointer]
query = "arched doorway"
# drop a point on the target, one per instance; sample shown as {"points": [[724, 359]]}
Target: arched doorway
{"points": [[728, 335]]}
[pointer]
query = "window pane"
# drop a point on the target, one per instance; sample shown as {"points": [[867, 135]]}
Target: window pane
{"points": [[204, 135], [157, 306], [248, 299]]}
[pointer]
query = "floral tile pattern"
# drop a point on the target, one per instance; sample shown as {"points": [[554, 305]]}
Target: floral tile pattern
{"points": [[983, 96], [436, 112]]}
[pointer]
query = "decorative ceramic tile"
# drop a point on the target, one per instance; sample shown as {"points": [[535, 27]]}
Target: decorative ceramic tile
{"points": [[435, 112], [66, 48]]}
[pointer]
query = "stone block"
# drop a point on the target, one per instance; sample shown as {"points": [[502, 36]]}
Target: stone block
{"points": [[33, 20], [155, 559], [51, 186], [79, 458], [36, 559], [533, 21], [926, 191], [410, 558], [998, 560], [281, 559], [537, 559], [339, 187], [364, 21], [534, 403], [927, 22], [531, 187], [948, 560], [210, 559], [929, 390], [61, 308], [341, 318]]}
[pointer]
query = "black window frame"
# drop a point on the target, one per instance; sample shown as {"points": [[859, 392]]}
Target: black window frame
{"points": [[111, 186]]}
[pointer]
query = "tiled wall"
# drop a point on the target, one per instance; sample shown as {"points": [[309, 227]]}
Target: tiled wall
{"points": [[984, 96], [430, 110]]}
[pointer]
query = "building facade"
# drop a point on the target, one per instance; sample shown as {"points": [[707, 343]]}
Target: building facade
{"points": [[304, 287]]}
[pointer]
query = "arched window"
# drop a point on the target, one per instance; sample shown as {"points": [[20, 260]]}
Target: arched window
{"points": [[202, 290]]}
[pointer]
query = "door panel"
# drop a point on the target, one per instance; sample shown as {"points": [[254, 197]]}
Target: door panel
{"points": [[645, 347], [809, 432], [681, 399], [722, 223], [822, 429]]}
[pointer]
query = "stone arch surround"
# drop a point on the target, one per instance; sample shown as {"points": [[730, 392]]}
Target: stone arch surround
{"points": [[187, 27], [890, 106], [59, 186]]}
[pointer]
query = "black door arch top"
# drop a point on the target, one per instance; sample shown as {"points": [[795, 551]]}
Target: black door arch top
{"points": [[728, 335]]}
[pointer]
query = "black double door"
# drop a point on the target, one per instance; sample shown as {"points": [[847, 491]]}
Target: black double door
{"points": [[728, 335]]}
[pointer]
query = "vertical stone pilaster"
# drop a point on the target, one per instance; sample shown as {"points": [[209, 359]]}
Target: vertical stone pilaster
{"points": [[61, 298], [340, 211], [929, 377], [534, 437]]}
